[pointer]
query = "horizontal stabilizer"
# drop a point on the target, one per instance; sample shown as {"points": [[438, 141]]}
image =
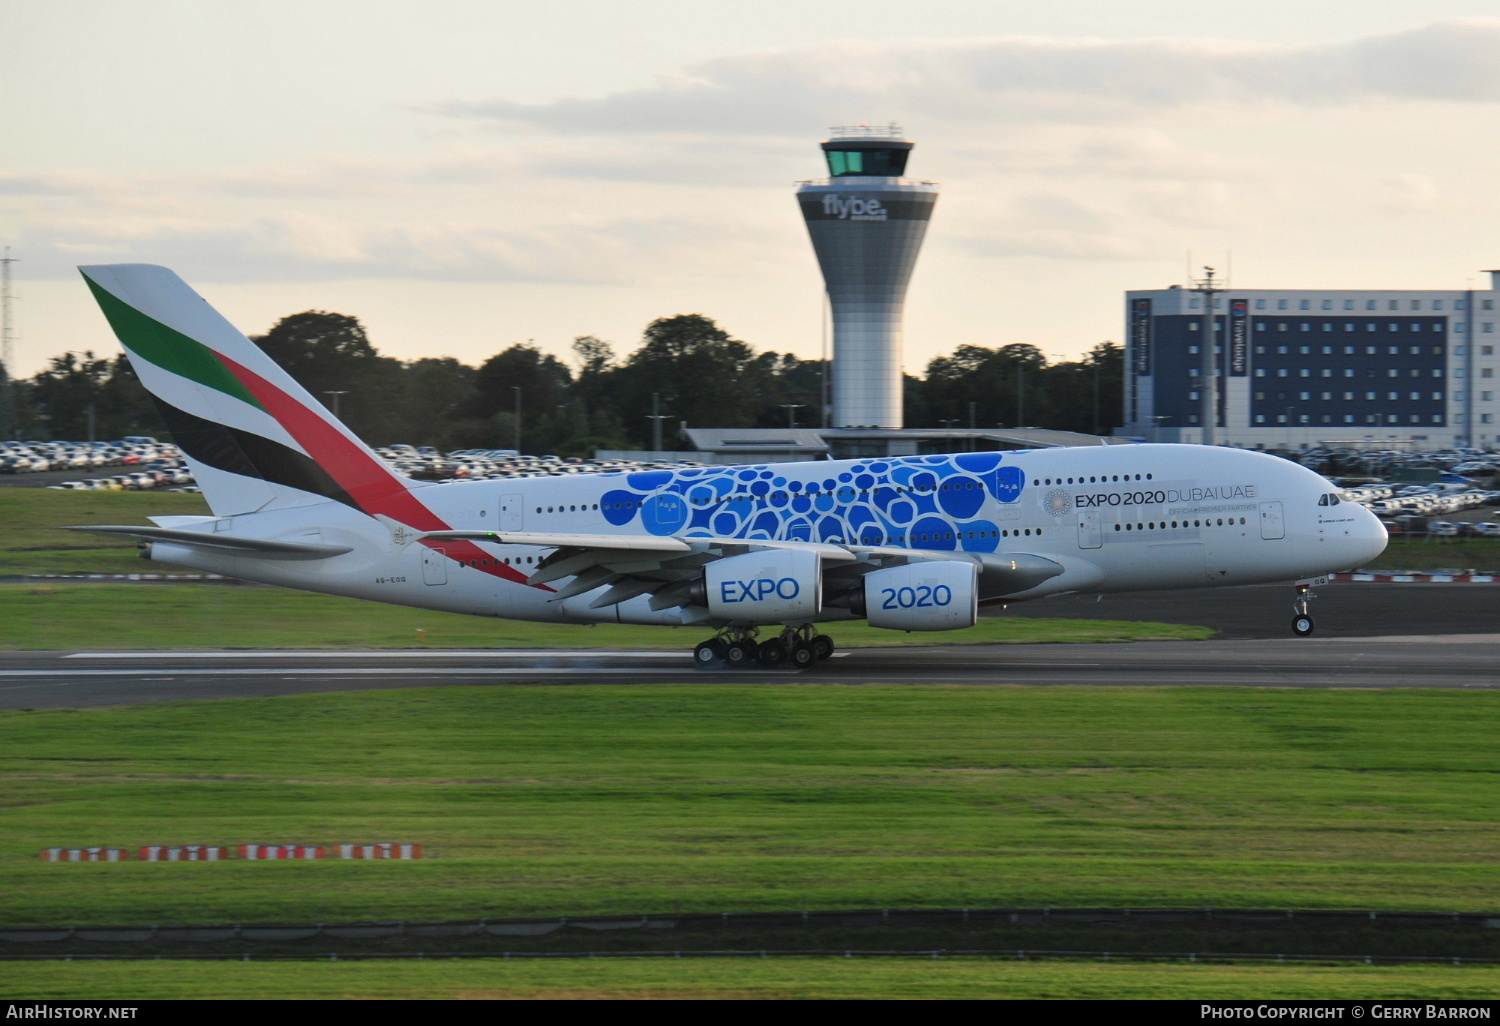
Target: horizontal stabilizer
{"points": [[262, 547]]}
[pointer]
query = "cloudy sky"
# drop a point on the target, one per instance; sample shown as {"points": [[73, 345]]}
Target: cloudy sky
{"points": [[466, 174]]}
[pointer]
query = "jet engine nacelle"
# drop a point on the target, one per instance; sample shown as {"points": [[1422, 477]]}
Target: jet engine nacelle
{"points": [[772, 586], [934, 595]]}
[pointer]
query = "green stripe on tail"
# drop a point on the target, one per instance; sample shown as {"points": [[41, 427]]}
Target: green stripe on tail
{"points": [[168, 349]]}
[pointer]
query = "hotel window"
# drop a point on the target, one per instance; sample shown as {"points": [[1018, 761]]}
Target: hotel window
{"points": [[1391, 418], [1192, 372], [1281, 326], [1192, 304], [1348, 418], [1306, 326], [1327, 395], [1459, 304], [1281, 418], [1281, 372], [1281, 304], [1369, 350], [1486, 372], [1416, 395], [1327, 350], [1416, 350], [1260, 350], [1302, 418], [1369, 395], [1395, 350], [1348, 304], [1327, 304], [1348, 350], [1484, 397], [1327, 325], [1304, 395], [1260, 325], [1393, 395], [1458, 326], [1326, 373], [1369, 304], [1487, 304], [1459, 397], [1437, 372], [1437, 304], [1260, 372], [1416, 304], [1486, 350], [1348, 372], [1260, 304], [1437, 396], [1282, 350], [1304, 350], [1460, 350], [1348, 325], [1458, 373], [1260, 395], [1193, 396], [1192, 349], [1304, 373], [1370, 326], [1487, 327], [1394, 326], [1348, 395], [1485, 418], [1395, 304], [1260, 418], [1305, 305], [1393, 372]]}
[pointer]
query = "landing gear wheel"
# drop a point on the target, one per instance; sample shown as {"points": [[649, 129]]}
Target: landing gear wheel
{"points": [[803, 656], [1302, 625], [822, 646], [710, 654], [739, 654], [773, 652]]}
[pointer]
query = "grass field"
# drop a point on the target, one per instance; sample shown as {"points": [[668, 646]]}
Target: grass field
{"points": [[578, 800], [1482, 554], [134, 616], [741, 978]]}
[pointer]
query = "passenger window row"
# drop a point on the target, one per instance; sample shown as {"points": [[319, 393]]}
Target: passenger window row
{"points": [[1162, 525]]}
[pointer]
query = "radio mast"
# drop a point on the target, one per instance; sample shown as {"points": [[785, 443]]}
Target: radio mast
{"points": [[7, 350]]}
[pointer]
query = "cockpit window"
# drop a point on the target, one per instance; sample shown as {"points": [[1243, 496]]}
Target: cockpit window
{"points": [[1328, 499]]}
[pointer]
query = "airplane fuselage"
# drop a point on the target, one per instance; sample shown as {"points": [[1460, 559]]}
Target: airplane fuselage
{"points": [[1113, 518]]}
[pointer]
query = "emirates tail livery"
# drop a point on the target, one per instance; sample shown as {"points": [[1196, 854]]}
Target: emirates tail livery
{"points": [[909, 544]]}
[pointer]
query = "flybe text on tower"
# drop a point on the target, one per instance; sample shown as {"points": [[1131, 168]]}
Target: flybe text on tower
{"points": [[853, 208]]}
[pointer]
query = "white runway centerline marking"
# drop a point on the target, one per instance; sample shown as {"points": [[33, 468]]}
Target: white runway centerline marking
{"points": [[480, 653]]}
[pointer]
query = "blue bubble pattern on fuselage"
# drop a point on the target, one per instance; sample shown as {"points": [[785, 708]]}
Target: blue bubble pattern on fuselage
{"points": [[922, 502]]}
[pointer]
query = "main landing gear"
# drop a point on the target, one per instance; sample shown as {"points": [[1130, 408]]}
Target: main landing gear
{"points": [[1302, 623], [736, 648]]}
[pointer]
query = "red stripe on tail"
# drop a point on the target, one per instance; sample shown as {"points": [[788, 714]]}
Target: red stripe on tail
{"points": [[368, 481]]}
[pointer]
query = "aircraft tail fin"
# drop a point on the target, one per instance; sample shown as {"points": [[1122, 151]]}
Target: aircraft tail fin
{"points": [[253, 437]]}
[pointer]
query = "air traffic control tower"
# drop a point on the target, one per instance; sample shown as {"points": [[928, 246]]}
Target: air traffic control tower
{"points": [[867, 222]]}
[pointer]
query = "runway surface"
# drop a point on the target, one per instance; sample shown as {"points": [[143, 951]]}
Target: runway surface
{"points": [[61, 680], [1369, 636]]}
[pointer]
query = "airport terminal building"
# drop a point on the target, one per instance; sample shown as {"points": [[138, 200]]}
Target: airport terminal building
{"points": [[1304, 367]]}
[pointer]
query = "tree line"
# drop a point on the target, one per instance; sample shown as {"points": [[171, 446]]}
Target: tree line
{"points": [[687, 371]]}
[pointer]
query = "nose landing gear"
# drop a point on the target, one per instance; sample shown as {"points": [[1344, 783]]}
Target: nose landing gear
{"points": [[1302, 622], [736, 648]]}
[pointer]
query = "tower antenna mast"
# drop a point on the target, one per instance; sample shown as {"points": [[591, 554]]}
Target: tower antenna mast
{"points": [[1208, 377]]}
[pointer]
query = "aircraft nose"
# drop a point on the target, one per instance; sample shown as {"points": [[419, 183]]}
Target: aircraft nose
{"points": [[1367, 540]]}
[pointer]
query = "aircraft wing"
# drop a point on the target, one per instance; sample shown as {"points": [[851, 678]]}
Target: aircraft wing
{"points": [[668, 568], [262, 547]]}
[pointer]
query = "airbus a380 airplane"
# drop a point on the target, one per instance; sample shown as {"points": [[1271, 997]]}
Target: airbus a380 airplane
{"points": [[909, 544]]}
